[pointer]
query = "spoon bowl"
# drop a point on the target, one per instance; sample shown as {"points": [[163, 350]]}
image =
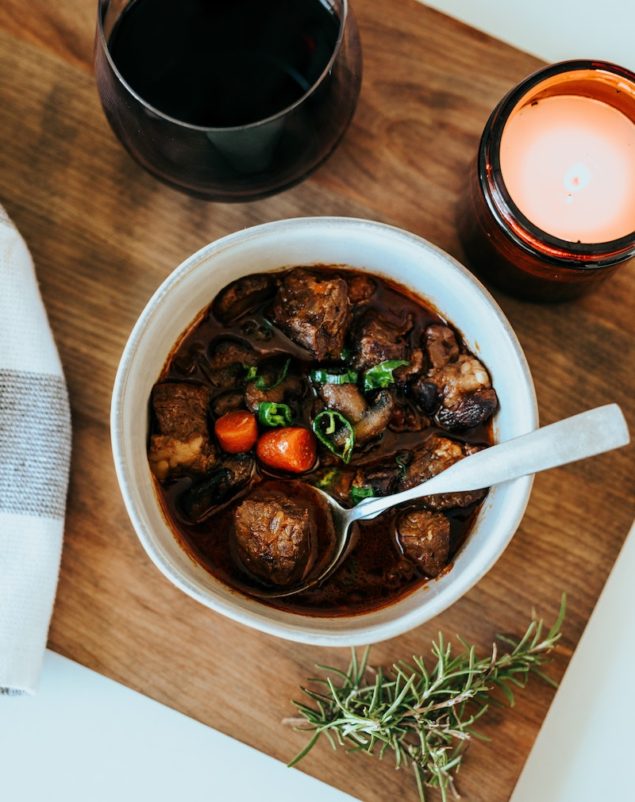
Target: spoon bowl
{"points": [[581, 436]]}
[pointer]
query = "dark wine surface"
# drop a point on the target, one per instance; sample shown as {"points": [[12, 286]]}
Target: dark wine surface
{"points": [[222, 64]]}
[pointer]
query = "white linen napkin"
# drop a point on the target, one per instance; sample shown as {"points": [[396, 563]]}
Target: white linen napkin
{"points": [[35, 442]]}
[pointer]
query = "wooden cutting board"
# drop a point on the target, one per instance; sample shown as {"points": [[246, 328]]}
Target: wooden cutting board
{"points": [[104, 235]]}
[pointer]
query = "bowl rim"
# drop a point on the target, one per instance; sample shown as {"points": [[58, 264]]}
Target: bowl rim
{"points": [[373, 632]]}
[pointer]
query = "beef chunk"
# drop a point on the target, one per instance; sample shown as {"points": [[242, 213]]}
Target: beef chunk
{"points": [[406, 374], [458, 383], [172, 455], [425, 538], [381, 478], [377, 339], [467, 397], [227, 352], [471, 410], [242, 295], [226, 361], [441, 345], [274, 536], [433, 457], [368, 421], [313, 311], [183, 442], [181, 409], [360, 288]]}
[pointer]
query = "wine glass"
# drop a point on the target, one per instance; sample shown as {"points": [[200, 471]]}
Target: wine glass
{"points": [[228, 101]]}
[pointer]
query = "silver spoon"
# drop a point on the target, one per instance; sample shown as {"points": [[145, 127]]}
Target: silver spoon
{"points": [[584, 435]]}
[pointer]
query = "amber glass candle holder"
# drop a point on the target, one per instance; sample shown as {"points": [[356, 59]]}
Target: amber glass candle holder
{"points": [[505, 247]]}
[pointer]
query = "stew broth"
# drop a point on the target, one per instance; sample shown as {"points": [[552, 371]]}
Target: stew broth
{"points": [[376, 571]]}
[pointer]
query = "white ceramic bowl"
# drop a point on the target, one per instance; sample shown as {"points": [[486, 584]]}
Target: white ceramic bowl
{"points": [[362, 244]]}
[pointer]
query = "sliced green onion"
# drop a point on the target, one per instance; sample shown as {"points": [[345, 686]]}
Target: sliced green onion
{"points": [[272, 414], [252, 372], [261, 384], [356, 494], [324, 377], [381, 375], [335, 431], [327, 479], [345, 354]]}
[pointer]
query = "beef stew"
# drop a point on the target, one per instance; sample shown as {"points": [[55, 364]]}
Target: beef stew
{"points": [[317, 376]]}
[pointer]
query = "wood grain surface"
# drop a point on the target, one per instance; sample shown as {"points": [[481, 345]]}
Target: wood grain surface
{"points": [[104, 234]]}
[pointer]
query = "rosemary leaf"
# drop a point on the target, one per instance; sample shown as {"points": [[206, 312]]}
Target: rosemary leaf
{"points": [[424, 713]]}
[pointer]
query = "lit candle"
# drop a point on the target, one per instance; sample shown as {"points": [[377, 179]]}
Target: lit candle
{"points": [[552, 209], [568, 163]]}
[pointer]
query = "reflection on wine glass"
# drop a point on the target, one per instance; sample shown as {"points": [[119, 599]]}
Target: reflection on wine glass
{"points": [[228, 101]]}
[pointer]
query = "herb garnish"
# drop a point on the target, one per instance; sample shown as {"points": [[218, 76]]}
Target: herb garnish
{"points": [[271, 413], [382, 375], [321, 376], [357, 494], [327, 479], [261, 382], [335, 431], [425, 715]]}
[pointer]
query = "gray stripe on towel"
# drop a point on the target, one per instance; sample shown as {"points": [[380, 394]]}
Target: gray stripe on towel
{"points": [[35, 443]]}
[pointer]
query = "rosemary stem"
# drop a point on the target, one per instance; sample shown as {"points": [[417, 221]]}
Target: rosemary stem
{"points": [[425, 716]]}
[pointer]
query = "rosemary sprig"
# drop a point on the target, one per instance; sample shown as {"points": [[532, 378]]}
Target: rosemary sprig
{"points": [[424, 714]]}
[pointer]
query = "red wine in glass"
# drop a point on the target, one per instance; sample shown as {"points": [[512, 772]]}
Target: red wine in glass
{"points": [[228, 99]]}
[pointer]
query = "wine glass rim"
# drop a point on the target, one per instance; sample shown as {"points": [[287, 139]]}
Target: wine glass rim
{"points": [[343, 18]]}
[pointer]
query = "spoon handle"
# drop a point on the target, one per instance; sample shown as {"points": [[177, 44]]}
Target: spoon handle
{"points": [[584, 435]]}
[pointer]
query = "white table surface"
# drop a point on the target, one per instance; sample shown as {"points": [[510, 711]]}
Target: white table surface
{"points": [[584, 750], [84, 738], [554, 30]]}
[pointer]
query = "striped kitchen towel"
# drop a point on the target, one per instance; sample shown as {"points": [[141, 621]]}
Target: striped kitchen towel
{"points": [[35, 442]]}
